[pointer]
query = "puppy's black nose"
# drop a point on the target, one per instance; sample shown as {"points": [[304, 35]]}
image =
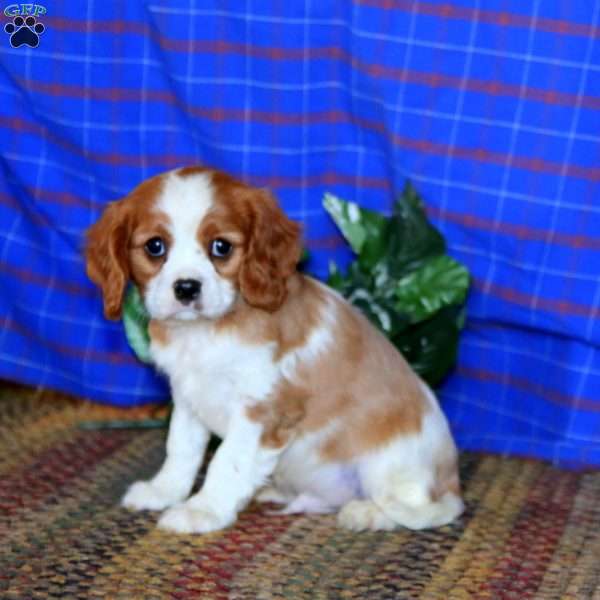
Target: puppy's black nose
{"points": [[186, 290]]}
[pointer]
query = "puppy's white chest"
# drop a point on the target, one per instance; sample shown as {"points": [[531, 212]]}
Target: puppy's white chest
{"points": [[215, 373]]}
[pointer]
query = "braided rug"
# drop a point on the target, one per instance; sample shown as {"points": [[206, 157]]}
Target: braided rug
{"points": [[529, 531]]}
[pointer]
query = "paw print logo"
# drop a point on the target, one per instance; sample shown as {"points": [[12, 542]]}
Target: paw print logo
{"points": [[24, 31]]}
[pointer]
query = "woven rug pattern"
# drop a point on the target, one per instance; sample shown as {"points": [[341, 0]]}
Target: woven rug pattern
{"points": [[529, 531]]}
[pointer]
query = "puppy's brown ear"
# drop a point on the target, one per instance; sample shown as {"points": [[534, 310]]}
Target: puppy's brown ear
{"points": [[107, 256], [272, 253]]}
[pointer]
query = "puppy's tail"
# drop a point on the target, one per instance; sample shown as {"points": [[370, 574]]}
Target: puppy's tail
{"points": [[430, 514]]}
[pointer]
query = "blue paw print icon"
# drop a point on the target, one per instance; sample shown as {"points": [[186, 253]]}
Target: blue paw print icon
{"points": [[24, 32]]}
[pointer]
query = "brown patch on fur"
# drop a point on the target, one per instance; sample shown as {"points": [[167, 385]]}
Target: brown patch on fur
{"points": [[194, 170], [107, 257], [158, 332], [111, 262], [364, 384], [372, 430], [279, 414], [268, 245], [289, 327], [217, 225], [143, 267]]}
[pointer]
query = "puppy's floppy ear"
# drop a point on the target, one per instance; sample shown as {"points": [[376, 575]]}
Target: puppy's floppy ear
{"points": [[107, 256], [271, 255]]}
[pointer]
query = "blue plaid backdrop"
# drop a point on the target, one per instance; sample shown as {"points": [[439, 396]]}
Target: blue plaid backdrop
{"points": [[490, 107]]}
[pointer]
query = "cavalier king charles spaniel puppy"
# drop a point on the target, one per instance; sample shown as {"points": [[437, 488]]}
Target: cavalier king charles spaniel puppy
{"points": [[317, 411]]}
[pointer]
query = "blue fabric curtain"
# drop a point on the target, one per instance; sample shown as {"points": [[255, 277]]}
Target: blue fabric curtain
{"points": [[490, 107]]}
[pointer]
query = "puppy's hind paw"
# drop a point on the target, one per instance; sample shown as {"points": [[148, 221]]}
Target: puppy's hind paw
{"points": [[361, 515], [271, 494]]}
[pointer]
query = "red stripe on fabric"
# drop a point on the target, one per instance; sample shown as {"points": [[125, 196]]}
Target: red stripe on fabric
{"points": [[531, 387], [117, 159], [117, 27], [325, 117], [491, 87], [110, 94], [270, 117], [563, 307], [426, 78], [332, 178], [35, 217], [31, 486], [113, 358], [327, 243], [31, 277], [444, 11], [521, 232], [219, 561], [69, 199], [64, 198], [502, 18], [535, 165], [534, 538]]}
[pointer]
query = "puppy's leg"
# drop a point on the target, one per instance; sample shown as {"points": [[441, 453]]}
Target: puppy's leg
{"points": [[186, 444], [240, 466]]}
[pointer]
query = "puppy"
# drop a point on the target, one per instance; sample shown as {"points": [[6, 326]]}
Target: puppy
{"points": [[317, 411]]}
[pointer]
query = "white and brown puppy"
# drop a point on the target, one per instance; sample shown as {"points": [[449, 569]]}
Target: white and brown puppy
{"points": [[317, 410]]}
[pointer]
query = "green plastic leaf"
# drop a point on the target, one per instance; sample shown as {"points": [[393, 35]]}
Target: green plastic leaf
{"points": [[412, 238], [335, 279], [440, 281], [380, 314], [431, 346], [135, 321], [348, 218], [365, 230]]}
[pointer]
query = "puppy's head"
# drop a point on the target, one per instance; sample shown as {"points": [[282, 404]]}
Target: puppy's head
{"points": [[195, 242]]}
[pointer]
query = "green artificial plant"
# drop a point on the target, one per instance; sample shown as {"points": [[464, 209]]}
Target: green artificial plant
{"points": [[403, 280], [135, 322]]}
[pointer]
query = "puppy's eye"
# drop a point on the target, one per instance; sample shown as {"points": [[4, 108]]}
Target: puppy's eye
{"points": [[155, 247], [220, 248]]}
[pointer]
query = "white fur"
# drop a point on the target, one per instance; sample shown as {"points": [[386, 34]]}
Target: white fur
{"points": [[301, 473], [216, 376], [318, 341]]}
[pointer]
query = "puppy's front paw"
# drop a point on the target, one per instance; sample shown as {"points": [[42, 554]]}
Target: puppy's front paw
{"points": [[187, 519], [144, 495]]}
